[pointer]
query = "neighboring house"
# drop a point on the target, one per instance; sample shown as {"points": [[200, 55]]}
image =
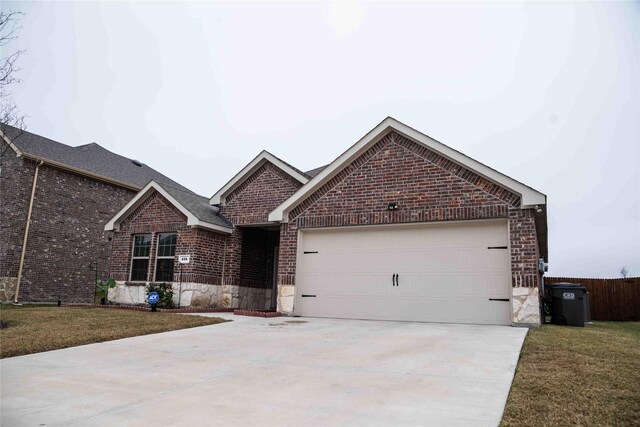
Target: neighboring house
{"points": [[66, 195], [399, 227]]}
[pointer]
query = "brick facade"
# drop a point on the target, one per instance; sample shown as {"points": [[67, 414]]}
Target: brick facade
{"points": [[426, 186], [157, 215], [66, 236], [253, 200], [16, 179], [250, 204]]}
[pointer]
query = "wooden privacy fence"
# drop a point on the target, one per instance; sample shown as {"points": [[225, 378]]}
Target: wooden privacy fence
{"points": [[609, 299]]}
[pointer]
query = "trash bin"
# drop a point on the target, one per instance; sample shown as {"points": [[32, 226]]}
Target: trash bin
{"points": [[569, 304]]}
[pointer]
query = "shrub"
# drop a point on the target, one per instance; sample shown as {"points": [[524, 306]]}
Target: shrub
{"points": [[102, 289], [164, 291]]}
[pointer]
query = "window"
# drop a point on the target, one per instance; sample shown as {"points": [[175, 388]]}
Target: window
{"points": [[165, 256], [140, 257]]}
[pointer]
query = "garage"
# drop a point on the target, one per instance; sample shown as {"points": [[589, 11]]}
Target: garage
{"points": [[454, 272]]}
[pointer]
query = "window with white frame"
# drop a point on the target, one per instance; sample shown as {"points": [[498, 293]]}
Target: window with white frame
{"points": [[140, 257], [165, 257]]}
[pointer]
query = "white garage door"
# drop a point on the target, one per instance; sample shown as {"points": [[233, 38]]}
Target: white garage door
{"points": [[446, 272]]}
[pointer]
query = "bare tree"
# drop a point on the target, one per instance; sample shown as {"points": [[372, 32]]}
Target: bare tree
{"points": [[624, 272], [9, 113]]}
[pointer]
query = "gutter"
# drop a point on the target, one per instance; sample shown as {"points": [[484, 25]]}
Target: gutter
{"points": [[26, 230], [82, 172]]}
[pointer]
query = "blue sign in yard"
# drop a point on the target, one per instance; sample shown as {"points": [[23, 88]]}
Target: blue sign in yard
{"points": [[153, 298]]}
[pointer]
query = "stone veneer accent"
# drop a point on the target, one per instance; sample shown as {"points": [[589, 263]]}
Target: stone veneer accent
{"points": [[189, 294], [197, 295], [286, 294], [8, 288], [427, 188], [526, 306]]}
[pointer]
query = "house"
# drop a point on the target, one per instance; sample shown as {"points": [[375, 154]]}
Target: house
{"points": [[398, 227], [54, 202]]}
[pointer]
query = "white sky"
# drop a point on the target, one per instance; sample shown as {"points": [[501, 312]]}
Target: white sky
{"points": [[547, 93]]}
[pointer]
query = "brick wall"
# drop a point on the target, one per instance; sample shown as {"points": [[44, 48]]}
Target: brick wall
{"points": [[157, 215], [426, 186], [259, 195], [16, 179], [66, 234]]}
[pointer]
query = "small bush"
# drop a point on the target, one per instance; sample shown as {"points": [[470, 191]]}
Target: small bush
{"points": [[164, 291]]}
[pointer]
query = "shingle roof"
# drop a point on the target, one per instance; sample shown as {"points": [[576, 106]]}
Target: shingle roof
{"points": [[316, 171], [198, 205], [91, 158]]}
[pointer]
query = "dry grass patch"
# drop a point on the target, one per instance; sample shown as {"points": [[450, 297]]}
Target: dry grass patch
{"points": [[577, 376], [36, 329]]}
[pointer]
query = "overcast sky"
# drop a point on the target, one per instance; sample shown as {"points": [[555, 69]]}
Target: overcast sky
{"points": [[547, 93]]}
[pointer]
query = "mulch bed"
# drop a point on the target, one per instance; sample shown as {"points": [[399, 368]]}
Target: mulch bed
{"points": [[257, 313], [237, 312], [163, 310]]}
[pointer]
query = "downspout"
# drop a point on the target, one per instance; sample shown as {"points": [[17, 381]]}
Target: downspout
{"points": [[26, 231]]}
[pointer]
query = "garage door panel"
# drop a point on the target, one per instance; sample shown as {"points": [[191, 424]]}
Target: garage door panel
{"points": [[455, 286], [446, 273]]}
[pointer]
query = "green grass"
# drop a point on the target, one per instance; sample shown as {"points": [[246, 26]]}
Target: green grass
{"points": [[577, 376], [33, 329]]}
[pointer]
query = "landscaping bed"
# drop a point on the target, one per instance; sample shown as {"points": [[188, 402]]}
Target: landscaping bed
{"points": [[147, 308], [33, 329], [577, 376], [257, 313]]}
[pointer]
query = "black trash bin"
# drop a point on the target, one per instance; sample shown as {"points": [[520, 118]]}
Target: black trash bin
{"points": [[569, 304]]}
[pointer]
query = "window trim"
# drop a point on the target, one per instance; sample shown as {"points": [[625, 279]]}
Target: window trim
{"points": [[155, 263], [133, 257]]}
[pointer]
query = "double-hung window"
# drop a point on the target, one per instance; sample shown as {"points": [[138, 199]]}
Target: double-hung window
{"points": [[165, 257], [140, 257]]}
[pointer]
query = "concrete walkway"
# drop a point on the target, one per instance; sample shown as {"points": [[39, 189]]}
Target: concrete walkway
{"points": [[278, 371]]}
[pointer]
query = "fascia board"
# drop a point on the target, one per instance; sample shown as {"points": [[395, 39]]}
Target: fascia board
{"points": [[529, 196], [11, 144], [213, 227], [192, 220], [114, 223]]}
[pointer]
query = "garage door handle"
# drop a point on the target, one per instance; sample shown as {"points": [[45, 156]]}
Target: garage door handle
{"points": [[499, 299], [397, 280], [393, 279]]}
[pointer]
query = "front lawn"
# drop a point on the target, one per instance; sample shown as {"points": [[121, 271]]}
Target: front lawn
{"points": [[32, 329], [577, 376]]}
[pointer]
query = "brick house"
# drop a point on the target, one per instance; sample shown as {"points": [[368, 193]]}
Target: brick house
{"points": [[398, 227], [66, 195]]}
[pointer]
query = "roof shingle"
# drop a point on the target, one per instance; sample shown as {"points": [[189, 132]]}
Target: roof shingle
{"points": [[91, 158]]}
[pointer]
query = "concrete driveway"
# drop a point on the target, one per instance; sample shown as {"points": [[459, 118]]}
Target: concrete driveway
{"points": [[279, 371]]}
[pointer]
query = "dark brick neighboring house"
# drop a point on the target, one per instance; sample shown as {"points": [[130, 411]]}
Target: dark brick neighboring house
{"points": [[398, 227], [77, 190]]}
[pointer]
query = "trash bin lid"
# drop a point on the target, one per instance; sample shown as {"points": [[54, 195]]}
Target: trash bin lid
{"points": [[566, 285]]}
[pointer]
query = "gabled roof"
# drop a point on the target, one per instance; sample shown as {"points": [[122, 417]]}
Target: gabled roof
{"points": [[90, 160], [255, 164], [529, 196], [196, 208]]}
